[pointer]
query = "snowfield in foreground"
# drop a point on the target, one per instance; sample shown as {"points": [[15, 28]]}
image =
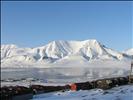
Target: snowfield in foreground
{"points": [[117, 93]]}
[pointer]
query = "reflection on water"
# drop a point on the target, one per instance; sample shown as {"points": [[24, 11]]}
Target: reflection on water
{"points": [[61, 73]]}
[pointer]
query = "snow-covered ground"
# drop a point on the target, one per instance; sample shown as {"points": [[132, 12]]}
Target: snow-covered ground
{"points": [[28, 83], [117, 93]]}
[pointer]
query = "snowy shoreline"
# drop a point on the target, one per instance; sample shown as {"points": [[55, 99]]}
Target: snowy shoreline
{"points": [[116, 93]]}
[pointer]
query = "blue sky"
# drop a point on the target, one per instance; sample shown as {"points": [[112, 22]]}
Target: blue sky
{"points": [[31, 24]]}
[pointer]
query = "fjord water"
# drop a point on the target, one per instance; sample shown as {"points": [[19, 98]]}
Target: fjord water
{"points": [[62, 75]]}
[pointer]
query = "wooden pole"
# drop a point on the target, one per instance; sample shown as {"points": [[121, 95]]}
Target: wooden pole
{"points": [[130, 75]]}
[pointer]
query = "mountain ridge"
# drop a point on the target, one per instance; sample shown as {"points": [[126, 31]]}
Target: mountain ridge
{"points": [[57, 50]]}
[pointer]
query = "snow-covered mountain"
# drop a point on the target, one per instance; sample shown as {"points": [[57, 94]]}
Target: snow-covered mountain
{"points": [[58, 51], [129, 52]]}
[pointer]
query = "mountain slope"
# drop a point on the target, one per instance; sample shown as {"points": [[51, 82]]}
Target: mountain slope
{"points": [[129, 52], [57, 51]]}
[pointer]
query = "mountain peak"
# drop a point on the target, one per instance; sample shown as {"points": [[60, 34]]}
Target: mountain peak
{"points": [[90, 40], [56, 50]]}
